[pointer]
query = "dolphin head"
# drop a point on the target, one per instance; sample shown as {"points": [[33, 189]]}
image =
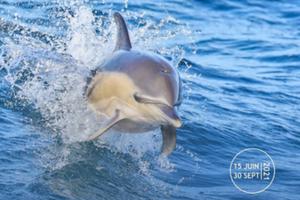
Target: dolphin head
{"points": [[157, 81]]}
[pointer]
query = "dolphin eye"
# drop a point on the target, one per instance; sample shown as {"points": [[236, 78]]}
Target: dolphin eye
{"points": [[165, 70]]}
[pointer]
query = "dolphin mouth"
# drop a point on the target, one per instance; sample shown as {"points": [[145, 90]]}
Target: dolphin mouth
{"points": [[171, 115], [169, 112]]}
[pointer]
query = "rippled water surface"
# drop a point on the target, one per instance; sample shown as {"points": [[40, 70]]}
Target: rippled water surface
{"points": [[240, 66]]}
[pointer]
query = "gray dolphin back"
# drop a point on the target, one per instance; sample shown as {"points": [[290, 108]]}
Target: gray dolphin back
{"points": [[123, 40]]}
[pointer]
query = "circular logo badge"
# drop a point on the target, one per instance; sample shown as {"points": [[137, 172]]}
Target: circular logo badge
{"points": [[252, 171]]}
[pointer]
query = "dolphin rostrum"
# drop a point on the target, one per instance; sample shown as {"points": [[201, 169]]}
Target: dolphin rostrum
{"points": [[137, 91]]}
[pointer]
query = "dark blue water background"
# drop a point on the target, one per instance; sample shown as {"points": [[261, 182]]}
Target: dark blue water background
{"points": [[240, 65]]}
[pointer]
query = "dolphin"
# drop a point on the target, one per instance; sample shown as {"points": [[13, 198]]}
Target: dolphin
{"points": [[137, 91]]}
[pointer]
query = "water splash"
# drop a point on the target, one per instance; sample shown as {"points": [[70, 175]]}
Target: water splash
{"points": [[53, 81], [84, 45]]}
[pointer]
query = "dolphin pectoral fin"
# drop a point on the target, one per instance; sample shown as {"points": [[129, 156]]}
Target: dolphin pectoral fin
{"points": [[123, 39], [169, 139], [110, 123]]}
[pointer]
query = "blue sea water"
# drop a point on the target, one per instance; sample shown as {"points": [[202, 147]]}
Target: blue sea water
{"points": [[240, 65]]}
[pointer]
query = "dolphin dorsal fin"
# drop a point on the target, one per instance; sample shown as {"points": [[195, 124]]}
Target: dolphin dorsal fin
{"points": [[123, 40]]}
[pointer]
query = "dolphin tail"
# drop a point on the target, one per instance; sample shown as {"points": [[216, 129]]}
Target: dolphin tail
{"points": [[169, 139], [109, 124], [123, 39]]}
